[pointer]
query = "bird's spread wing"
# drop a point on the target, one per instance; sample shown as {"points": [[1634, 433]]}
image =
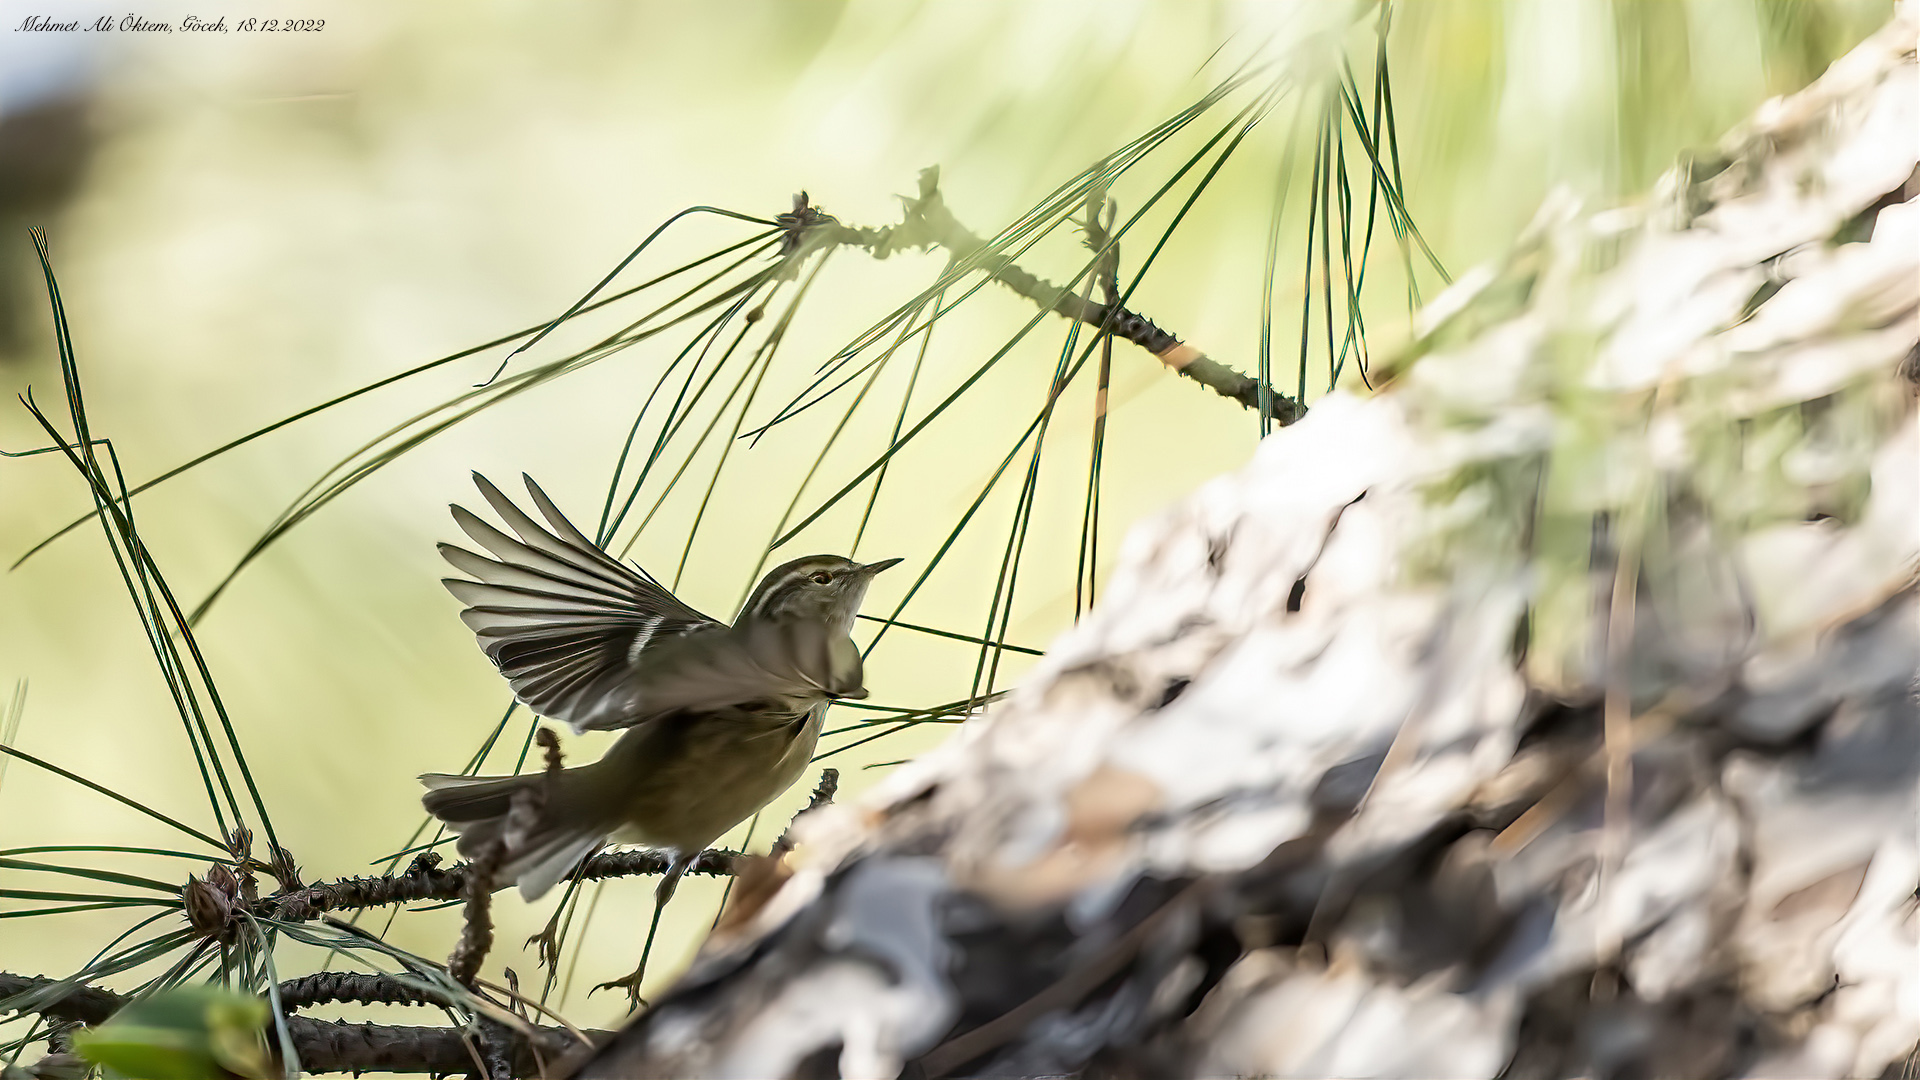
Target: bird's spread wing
{"points": [[589, 641], [786, 665], [565, 622]]}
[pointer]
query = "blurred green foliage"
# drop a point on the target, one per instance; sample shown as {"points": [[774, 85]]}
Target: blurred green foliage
{"points": [[192, 1033]]}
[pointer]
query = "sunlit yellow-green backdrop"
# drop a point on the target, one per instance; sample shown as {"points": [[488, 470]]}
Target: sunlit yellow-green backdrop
{"points": [[266, 221]]}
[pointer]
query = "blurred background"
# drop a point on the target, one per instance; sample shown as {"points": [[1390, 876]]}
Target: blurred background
{"points": [[246, 225]]}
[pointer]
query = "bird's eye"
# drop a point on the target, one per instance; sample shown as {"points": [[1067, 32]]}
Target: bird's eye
{"points": [[821, 577]]}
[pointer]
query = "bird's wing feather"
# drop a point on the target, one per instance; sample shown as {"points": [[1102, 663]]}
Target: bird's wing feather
{"points": [[566, 623], [792, 662]]}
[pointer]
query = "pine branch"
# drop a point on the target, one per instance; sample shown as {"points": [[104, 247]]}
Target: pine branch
{"points": [[350, 987], [929, 224], [337, 1046], [823, 794], [425, 881]]}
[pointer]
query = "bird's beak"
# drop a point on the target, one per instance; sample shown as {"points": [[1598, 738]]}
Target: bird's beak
{"points": [[873, 568]]}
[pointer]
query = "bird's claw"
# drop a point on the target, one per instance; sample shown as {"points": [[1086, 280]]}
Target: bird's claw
{"points": [[631, 984], [546, 945]]}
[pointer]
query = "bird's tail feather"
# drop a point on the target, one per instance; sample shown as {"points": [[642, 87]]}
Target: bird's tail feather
{"points": [[477, 807], [459, 800]]}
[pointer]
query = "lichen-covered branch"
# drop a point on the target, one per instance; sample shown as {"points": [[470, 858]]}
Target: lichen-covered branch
{"points": [[80, 1004], [353, 988], [424, 880], [928, 223]]}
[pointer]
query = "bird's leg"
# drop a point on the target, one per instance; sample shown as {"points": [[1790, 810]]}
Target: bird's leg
{"points": [[546, 943], [661, 895]]}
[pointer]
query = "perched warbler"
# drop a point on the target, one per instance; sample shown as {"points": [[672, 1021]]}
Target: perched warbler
{"points": [[718, 719]]}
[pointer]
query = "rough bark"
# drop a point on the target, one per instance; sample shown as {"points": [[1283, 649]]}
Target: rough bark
{"points": [[1550, 711]]}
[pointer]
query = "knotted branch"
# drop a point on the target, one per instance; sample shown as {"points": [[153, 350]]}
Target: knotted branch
{"points": [[350, 987], [424, 880], [928, 223], [823, 794]]}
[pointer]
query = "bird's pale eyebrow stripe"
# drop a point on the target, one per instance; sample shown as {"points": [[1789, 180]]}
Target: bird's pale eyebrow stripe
{"points": [[645, 635], [786, 585]]}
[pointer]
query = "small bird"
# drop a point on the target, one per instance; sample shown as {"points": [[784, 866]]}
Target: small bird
{"points": [[718, 719]]}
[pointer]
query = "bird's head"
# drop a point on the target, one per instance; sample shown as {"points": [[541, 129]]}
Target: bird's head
{"points": [[823, 587]]}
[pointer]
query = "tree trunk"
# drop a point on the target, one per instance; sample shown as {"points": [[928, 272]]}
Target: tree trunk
{"points": [[1549, 712]]}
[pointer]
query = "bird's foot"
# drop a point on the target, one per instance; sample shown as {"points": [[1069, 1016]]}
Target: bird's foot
{"points": [[546, 945], [631, 984]]}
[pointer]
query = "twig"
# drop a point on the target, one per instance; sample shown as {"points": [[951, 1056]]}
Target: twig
{"points": [[928, 223], [476, 937], [423, 880], [758, 877], [823, 794], [84, 1004], [332, 987]]}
